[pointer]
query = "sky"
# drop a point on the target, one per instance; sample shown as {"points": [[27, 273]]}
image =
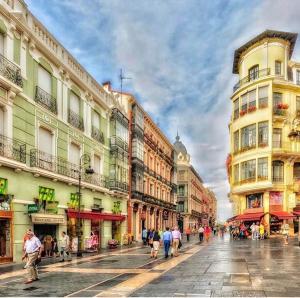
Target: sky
{"points": [[178, 54]]}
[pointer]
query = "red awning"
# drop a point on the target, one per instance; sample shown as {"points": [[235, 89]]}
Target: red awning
{"points": [[95, 215], [282, 214], [250, 216]]}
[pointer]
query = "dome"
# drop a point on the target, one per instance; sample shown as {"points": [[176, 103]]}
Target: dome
{"points": [[179, 147]]}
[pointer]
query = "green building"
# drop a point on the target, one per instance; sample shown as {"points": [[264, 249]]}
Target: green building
{"points": [[55, 122]]}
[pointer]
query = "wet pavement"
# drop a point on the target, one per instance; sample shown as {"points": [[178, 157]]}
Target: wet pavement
{"points": [[221, 268]]}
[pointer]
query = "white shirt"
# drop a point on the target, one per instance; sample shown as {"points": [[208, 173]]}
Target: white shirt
{"points": [[65, 241], [32, 245], [201, 230]]}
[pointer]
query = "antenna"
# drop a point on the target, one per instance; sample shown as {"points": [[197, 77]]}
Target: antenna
{"points": [[122, 78]]}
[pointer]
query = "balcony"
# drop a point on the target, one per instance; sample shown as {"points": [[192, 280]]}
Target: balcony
{"points": [[12, 149], [46, 100], [118, 142], [279, 112], [10, 71], [118, 185], [97, 134], [75, 120], [261, 73]]}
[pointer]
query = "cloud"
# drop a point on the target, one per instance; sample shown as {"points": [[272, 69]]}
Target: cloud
{"points": [[179, 55]]}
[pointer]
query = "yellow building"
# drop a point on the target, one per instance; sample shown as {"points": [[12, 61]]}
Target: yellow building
{"points": [[264, 162]]}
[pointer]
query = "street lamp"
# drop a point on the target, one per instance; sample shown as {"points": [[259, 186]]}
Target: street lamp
{"points": [[83, 161]]}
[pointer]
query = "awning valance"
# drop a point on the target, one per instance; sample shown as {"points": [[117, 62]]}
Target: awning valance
{"points": [[95, 215], [250, 216], [282, 214]]}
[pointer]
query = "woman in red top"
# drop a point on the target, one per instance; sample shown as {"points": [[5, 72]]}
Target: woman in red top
{"points": [[207, 232]]}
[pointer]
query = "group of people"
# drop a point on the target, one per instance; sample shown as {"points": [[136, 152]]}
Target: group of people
{"points": [[168, 238], [32, 253], [257, 230]]}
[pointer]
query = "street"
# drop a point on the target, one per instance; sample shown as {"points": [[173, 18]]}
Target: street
{"points": [[221, 268]]}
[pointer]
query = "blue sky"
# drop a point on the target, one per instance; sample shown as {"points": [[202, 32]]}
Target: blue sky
{"points": [[179, 55]]}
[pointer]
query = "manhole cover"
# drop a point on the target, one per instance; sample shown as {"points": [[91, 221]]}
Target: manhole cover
{"points": [[30, 289]]}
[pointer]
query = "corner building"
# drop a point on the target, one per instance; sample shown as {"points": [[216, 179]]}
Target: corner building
{"points": [[55, 121], [264, 162]]}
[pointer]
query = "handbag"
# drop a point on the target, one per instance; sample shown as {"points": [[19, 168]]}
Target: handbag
{"points": [[179, 244]]}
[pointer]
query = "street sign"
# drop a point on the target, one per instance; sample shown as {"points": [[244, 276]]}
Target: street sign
{"points": [[32, 208]]}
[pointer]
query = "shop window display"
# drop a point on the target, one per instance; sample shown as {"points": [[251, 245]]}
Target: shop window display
{"points": [[5, 243]]}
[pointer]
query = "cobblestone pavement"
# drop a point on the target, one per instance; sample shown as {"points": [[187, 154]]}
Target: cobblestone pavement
{"points": [[221, 268]]}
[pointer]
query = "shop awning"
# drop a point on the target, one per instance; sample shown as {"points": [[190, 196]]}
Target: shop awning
{"points": [[95, 215], [250, 216], [282, 214]]}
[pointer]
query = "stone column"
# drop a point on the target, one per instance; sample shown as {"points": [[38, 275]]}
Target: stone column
{"points": [[86, 232], [106, 229], [266, 202]]}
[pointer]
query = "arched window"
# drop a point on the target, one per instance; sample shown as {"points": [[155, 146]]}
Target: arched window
{"points": [[254, 72], [277, 171]]}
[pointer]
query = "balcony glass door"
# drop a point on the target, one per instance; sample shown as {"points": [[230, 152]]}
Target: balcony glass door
{"points": [[44, 80]]}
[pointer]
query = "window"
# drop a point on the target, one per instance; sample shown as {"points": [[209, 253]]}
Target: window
{"points": [[97, 164], [44, 79], [1, 44], [277, 170], [157, 192], [262, 168], [181, 191], [277, 68], [151, 189], [296, 171], [74, 154], [263, 134], [236, 143], [122, 131], [298, 103], [255, 200], [236, 109], [277, 101], [74, 103], [252, 99], [298, 77], [236, 173], [244, 102], [96, 120], [263, 97], [277, 133], [138, 116], [248, 137], [137, 149], [254, 73], [45, 140], [1, 121], [248, 170], [163, 194]]}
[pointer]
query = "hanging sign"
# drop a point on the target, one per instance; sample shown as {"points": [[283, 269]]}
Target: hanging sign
{"points": [[3, 186], [46, 194], [32, 208]]}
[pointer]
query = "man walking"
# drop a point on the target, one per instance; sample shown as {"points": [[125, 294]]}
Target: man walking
{"points": [[176, 237], [144, 236], [167, 239], [201, 231], [64, 247], [188, 233], [32, 251]]}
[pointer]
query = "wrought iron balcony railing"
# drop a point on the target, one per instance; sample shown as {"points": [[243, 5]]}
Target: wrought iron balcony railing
{"points": [[261, 73], [75, 120], [279, 112], [97, 134], [117, 141], [118, 185], [10, 71], [45, 99], [12, 149]]}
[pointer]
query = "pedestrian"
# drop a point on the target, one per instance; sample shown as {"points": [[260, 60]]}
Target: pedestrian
{"points": [[176, 237], [167, 239], [207, 232], [48, 245], [215, 230], [150, 242], [32, 251], [55, 247], [144, 236], [156, 243], [64, 247], [256, 231], [201, 232], [252, 228], [261, 231], [285, 229], [188, 233]]}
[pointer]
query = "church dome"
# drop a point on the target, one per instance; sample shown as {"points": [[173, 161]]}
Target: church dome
{"points": [[179, 147]]}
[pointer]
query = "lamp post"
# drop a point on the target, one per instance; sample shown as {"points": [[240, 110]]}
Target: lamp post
{"points": [[84, 160]]}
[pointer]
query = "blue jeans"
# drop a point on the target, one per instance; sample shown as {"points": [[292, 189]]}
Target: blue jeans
{"points": [[167, 244]]}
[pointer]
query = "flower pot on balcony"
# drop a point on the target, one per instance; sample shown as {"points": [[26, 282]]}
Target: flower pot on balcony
{"points": [[251, 109], [282, 106], [242, 113]]}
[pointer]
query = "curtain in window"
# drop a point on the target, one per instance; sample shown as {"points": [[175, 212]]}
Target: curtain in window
{"points": [[236, 141], [277, 137], [97, 164], [277, 170], [277, 98], [74, 154], [45, 140], [44, 79], [263, 96], [263, 133], [96, 120], [262, 170], [252, 98], [74, 103], [244, 102]]}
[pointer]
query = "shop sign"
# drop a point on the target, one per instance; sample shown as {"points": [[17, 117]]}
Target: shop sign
{"points": [[46, 219], [74, 200], [275, 198], [32, 208], [3, 186], [52, 207], [165, 215], [255, 200], [46, 194]]}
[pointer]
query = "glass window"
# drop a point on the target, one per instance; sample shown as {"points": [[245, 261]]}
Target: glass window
{"points": [[45, 140], [263, 133], [1, 44], [277, 68], [1, 121], [277, 99], [248, 170], [236, 109], [74, 154], [138, 116], [44, 79], [277, 133], [244, 102], [74, 103], [253, 73], [277, 170], [96, 120], [263, 97], [137, 149], [298, 77], [97, 164], [252, 99], [248, 137], [236, 170], [296, 171], [262, 168], [236, 142], [297, 103]]}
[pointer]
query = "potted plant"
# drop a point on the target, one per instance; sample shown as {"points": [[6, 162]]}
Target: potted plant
{"points": [[251, 109], [242, 113], [282, 106]]}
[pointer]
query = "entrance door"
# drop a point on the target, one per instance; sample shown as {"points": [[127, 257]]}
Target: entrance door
{"points": [[42, 231], [96, 236], [5, 241]]}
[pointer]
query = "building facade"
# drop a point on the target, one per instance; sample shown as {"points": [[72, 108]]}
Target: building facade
{"points": [[152, 181], [55, 122], [195, 203], [263, 164]]}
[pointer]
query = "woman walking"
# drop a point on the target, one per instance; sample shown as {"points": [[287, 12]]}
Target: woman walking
{"points": [[156, 243], [207, 232], [150, 242]]}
